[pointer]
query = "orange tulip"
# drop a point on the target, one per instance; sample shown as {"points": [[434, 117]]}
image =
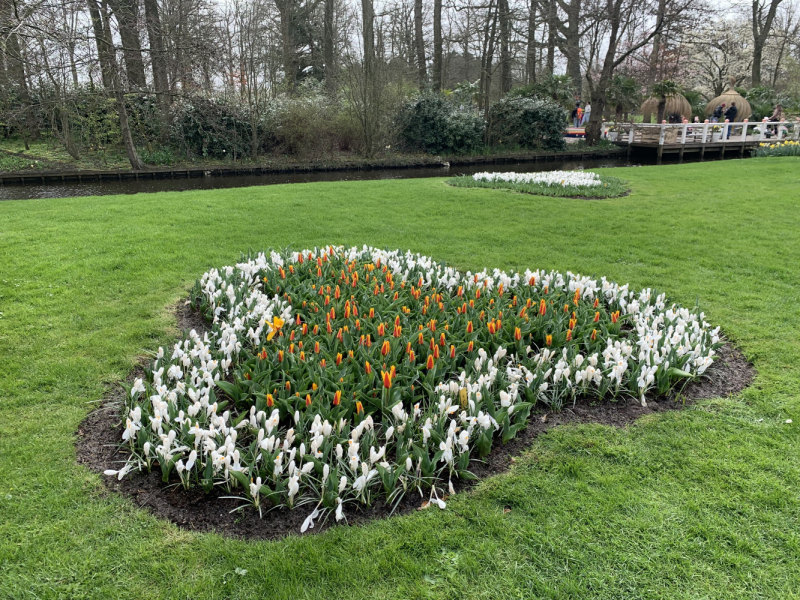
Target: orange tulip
{"points": [[308, 400], [359, 408], [517, 333], [367, 368], [337, 398], [594, 334], [469, 326], [429, 363], [470, 346], [452, 351], [548, 340], [596, 316], [542, 307], [270, 401], [387, 379], [386, 348]]}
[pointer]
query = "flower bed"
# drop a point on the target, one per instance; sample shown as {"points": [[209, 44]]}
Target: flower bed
{"points": [[333, 376], [574, 184], [787, 148]]}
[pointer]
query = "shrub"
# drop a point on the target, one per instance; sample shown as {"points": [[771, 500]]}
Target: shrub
{"points": [[334, 376], [528, 122], [210, 128], [435, 125]]}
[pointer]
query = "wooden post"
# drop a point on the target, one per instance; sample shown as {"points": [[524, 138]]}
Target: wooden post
{"points": [[683, 142], [744, 138], [630, 141], [703, 141]]}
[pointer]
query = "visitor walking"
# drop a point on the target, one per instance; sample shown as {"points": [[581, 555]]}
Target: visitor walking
{"points": [[730, 116], [717, 114], [576, 115], [587, 113]]}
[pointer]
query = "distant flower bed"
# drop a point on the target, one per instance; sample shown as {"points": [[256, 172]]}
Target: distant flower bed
{"points": [[559, 178], [579, 184], [333, 376], [787, 148]]}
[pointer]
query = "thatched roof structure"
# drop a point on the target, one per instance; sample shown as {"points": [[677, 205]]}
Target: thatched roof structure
{"points": [[676, 105], [728, 96]]}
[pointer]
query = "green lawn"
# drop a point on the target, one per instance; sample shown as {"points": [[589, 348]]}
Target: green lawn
{"points": [[701, 503]]}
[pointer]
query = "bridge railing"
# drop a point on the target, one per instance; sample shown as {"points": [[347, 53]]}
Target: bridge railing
{"points": [[703, 133]]}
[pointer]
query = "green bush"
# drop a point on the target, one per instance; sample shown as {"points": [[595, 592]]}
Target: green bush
{"points": [[210, 128], [528, 122], [433, 124]]}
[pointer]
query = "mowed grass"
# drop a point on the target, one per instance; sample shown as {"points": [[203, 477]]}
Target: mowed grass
{"points": [[702, 503]]}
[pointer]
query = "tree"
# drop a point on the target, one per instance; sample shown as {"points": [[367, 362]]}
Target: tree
{"points": [[763, 15], [437, 45], [419, 42]]}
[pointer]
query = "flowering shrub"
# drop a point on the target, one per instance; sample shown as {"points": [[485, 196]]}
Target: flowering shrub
{"points": [[550, 183], [562, 178], [332, 376], [787, 148]]}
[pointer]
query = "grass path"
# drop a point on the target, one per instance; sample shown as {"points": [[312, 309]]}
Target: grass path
{"points": [[703, 503]]}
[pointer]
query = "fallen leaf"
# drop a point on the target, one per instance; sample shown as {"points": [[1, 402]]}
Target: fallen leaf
{"points": [[424, 505], [543, 418]]}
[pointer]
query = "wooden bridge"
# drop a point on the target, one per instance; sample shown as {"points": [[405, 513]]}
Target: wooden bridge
{"points": [[702, 138]]}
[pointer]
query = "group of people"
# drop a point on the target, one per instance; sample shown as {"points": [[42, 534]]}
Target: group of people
{"points": [[729, 112], [581, 114]]}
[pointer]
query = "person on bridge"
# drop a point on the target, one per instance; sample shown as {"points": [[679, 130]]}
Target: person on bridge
{"points": [[730, 115], [776, 117], [717, 114]]}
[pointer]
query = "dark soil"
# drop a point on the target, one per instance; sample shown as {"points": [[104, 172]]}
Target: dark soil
{"points": [[99, 436]]}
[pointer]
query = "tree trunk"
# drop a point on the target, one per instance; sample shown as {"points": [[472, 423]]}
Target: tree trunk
{"points": [[158, 57], [505, 50], [437, 45], [420, 43], [328, 52], [662, 108], [16, 71], [551, 36], [286, 9], [102, 38], [762, 27], [655, 55], [370, 85], [126, 12], [125, 130], [486, 74], [530, 55], [572, 48]]}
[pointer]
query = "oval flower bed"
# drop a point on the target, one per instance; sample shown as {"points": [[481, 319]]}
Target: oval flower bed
{"points": [[333, 376], [567, 184]]}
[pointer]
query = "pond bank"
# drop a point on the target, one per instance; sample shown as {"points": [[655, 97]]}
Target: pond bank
{"points": [[92, 183], [172, 172]]}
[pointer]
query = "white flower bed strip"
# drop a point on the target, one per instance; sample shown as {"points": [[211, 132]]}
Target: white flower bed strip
{"points": [[549, 178]]}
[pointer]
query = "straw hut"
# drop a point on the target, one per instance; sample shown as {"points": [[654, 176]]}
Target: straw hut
{"points": [[728, 96], [676, 105]]}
